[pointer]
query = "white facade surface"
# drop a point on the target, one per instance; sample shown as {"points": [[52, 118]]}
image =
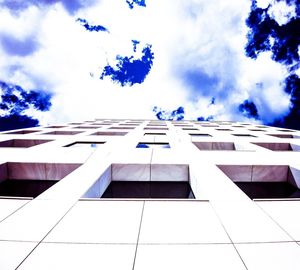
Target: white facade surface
{"points": [[149, 194]]}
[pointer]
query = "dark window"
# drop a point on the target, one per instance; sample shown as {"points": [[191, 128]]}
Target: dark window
{"points": [[243, 135], [279, 146], [264, 181], [153, 189], [22, 132], [85, 144], [31, 179], [62, 132], [200, 135], [22, 143]]}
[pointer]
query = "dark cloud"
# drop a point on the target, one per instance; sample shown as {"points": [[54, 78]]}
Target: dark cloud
{"points": [[130, 70], [292, 119], [266, 34], [135, 43], [283, 41], [92, 28], [16, 121], [14, 103], [70, 5], [14, 46], [209, 118], [175, 115], [248, 109], [141, 3]]}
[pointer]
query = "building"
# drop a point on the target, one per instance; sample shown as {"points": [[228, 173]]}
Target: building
{"points": [[137, 194]]}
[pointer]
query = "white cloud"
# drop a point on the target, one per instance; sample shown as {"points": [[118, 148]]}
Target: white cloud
{"points": [[185, 35]]}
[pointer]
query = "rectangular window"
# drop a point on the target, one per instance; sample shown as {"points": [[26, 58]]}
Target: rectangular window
{"points": [[200, 135], [152, 145], [85, 144], [31, 179], [244, 135], [22, 143], [264, 181], [62, 132], [26, 131], [149, 189], [109, 133], [279, 146], [217, 146]]}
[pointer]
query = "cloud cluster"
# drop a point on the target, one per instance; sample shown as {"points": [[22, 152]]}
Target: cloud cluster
{"points": [[131, 4], [70, 5], [91, 28], [175, 115], [16, 104], [276, 29], [130, 70], [196, 61]]}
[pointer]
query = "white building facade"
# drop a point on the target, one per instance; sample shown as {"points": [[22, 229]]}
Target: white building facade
{"points": [[146, 194]]}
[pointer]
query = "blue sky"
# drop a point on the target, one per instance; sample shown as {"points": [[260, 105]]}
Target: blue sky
{"points": [[65, 61]]}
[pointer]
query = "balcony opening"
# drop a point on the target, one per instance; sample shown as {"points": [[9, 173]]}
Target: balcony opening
{"points": [[62, 132], [279, 146], [257, 130], [31, 179], [155, 128], [152, 145], [286, 130], [264, 181], [150, 189], [55, 126], [244, 135], [154, 133], [22, 143], [88, 127], [223, 129], [109, 133], [216, 146], [190, 129], [22, 132], [285, 136], [85, 144], [200, 135], [122, 127]]}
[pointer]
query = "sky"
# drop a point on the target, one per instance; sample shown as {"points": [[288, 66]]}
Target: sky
{"points": [[75, 60]]}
